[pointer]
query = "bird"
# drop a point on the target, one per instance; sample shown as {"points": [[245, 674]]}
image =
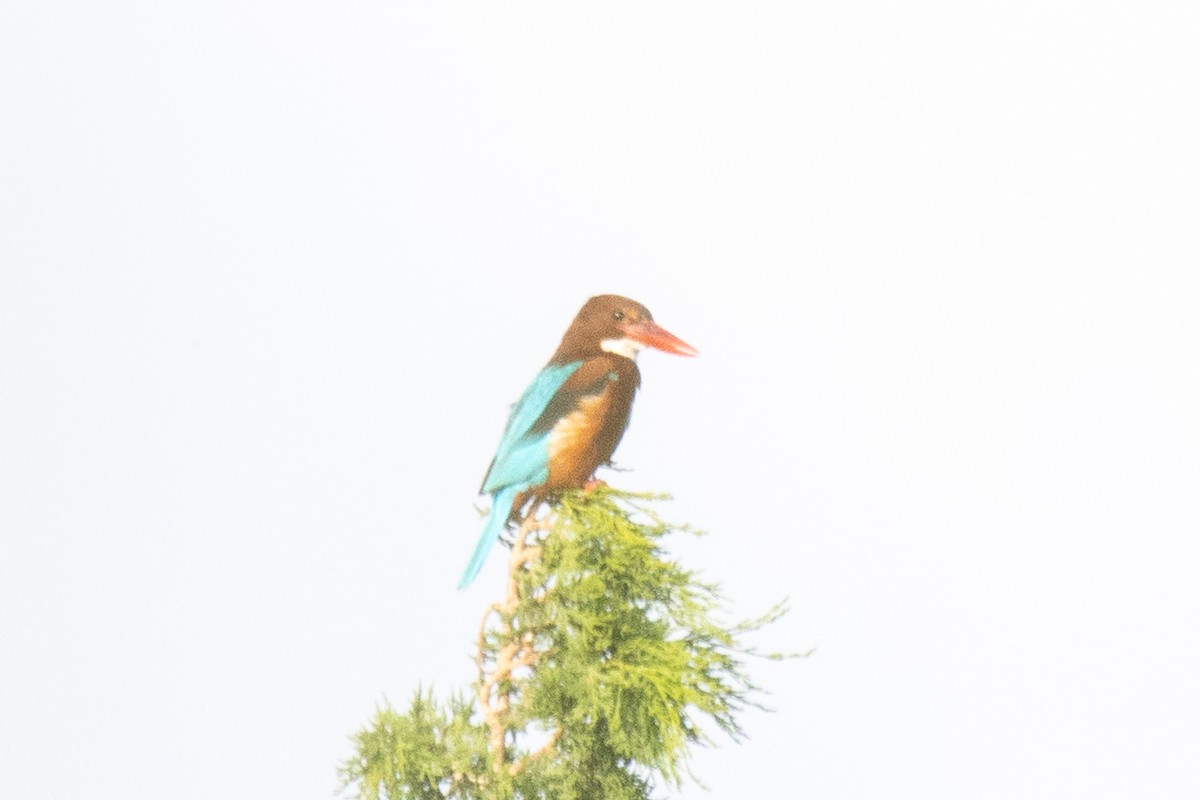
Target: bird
{"points": [[570, 419]]}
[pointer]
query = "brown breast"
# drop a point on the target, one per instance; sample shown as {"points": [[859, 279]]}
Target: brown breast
{"points": [[587, 437]]}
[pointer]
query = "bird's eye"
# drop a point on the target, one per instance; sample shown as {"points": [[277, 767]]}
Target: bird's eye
{"points": [[618, 315]]}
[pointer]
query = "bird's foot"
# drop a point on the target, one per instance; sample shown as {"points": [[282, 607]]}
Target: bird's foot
{"points": [[593, 484]]}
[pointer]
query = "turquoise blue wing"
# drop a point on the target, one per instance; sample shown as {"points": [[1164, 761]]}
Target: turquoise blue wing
{"points": [[522, 460], [523, 457]]}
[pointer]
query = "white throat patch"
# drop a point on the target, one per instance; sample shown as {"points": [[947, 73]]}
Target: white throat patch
{"points": [[623, 347]]}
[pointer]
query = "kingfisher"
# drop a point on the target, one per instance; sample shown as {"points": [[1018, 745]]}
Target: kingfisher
{"points": [[571, 418]]}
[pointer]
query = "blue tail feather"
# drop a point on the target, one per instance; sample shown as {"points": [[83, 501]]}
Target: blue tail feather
{"points": [[501, 507]]}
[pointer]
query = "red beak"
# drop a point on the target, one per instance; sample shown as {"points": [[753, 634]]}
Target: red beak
{"points": [[651, 335]]}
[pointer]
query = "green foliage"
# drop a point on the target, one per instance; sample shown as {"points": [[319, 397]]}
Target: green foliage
{"points": [[632, 652], [427, 753], [626, 665]]}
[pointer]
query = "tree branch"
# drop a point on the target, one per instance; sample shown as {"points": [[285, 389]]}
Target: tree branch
{"points": [[514, 649], [521, 763]]}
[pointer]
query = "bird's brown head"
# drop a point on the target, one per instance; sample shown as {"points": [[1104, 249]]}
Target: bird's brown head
{"points": [[615, 324]]}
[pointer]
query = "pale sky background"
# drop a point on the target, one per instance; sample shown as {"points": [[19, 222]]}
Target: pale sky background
{"points": [[272, 273]]}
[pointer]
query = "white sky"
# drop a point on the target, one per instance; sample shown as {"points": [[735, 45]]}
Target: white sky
{"points": [[273, 272]]}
